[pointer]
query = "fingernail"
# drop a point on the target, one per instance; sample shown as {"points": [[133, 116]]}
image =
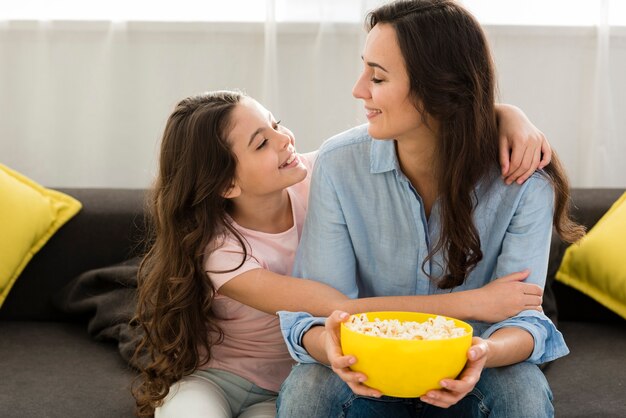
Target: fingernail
{"points": [[362, 379], [343, 315], [472, 354], [443, 383], [351, 360]]}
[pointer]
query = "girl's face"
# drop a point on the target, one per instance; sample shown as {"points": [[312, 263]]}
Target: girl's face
{"points": [[384, 87], [266, 157]]}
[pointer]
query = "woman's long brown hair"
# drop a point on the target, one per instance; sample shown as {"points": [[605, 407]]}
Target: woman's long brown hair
{"points": [[187, 212], [452, 79]]}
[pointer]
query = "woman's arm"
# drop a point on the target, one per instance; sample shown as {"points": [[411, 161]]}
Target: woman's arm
{"points": [[528, 336], [523, 147], [508, 346], [505, 346]]}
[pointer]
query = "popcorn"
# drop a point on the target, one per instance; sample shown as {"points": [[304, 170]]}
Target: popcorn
{"points": [[437, 328]]}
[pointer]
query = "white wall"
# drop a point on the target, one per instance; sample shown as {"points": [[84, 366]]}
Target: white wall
{"points": [[84, 104]]}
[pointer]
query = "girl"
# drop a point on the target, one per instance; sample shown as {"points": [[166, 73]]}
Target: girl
{"points": [[227, 211], [426, 214]]}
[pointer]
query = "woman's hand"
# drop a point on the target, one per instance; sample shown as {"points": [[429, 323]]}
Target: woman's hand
{"points": [[523, 147], [506, 297], [340, 363], [455, 390]]}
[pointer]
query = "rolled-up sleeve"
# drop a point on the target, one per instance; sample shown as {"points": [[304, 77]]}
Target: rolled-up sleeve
{"points": [[549, 342], [294, 325]]}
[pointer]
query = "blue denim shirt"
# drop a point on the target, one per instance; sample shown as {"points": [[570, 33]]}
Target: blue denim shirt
{"points": [[366, 234]]}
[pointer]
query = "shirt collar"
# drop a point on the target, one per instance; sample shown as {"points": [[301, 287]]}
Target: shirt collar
{"points": [[383, 156]]}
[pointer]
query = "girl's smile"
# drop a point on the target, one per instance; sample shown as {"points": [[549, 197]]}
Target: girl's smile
{"points": [[292, 161], [267, 161]]}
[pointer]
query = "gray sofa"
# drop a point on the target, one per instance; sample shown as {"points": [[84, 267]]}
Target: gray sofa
{"points": [[52, 366]]}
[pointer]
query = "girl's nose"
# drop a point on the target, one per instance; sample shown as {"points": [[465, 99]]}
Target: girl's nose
{"points": [[283, 140]]}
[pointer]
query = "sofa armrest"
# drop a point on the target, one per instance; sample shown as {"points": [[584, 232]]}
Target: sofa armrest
{"points": [[109, 229]]}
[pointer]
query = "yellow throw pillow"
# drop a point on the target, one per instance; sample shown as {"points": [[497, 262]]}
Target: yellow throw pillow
{"points": [[29, 215], [596, 265]]}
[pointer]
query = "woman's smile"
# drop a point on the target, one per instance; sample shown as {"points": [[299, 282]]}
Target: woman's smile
{"points": [[372, 113]]}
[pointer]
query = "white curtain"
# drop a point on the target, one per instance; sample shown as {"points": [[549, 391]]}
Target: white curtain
{"points": [[603, 147], [83, 104]]}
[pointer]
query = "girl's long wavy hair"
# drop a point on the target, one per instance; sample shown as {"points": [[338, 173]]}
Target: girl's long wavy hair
{"points": [[187, 212], [452, 79]]}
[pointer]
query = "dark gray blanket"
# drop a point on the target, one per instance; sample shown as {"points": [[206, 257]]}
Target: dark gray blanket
{"points": [[106, 298]]}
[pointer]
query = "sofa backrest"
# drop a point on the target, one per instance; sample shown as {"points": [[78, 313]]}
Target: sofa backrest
{"points": [[589, 204], [109, 229]]}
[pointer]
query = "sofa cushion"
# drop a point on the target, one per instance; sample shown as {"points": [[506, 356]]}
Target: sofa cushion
{"points": [[56, 370], [595, 265], [590, 381], [29, 215]]}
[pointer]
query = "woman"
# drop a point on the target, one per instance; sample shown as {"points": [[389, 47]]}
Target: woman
{"points": [[426, 213]]}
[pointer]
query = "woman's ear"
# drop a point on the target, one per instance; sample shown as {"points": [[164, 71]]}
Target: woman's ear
{"points": [[233, 191]]}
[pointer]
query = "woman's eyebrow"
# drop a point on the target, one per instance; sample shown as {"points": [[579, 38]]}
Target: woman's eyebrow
{"points": [[373, 64]]}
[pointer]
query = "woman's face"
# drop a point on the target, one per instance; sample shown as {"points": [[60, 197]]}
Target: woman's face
{"points": [[266, 156], [384, 87]]}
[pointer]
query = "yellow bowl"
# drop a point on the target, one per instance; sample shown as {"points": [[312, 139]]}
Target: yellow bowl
{"points": [[406, 368]]}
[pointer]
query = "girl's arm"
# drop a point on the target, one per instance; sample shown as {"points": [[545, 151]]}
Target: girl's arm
{"points": [[523, 147], [270, 292]]}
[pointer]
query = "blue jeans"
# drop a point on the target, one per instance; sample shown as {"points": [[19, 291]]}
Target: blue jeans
{"points": [[517, 391]]}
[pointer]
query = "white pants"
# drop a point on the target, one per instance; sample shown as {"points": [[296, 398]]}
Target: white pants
{"points": [[217, 394]]}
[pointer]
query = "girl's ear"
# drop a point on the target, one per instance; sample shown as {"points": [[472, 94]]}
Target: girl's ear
{"points": [[233, 191]]}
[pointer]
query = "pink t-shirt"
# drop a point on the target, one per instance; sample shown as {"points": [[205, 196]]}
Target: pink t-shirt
{"points": [[253, 346]]}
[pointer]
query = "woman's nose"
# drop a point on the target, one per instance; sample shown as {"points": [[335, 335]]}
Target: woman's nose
{"points": [[360, 90]]}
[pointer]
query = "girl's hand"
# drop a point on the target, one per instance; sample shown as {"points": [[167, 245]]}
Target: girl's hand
{"points": [[340, 363], [455, 390], [523, 147], [506, 297]]}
